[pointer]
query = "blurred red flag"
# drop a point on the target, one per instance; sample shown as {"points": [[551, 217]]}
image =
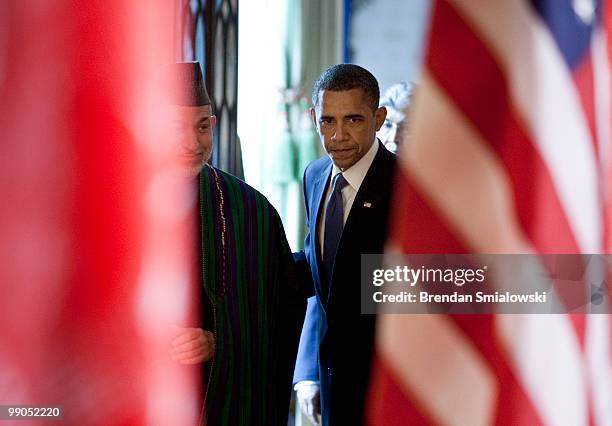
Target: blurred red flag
{"points": [[96, 268]]}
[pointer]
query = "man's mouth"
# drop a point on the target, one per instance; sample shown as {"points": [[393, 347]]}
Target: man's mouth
{"points": [[342, 152], [194, 155]]}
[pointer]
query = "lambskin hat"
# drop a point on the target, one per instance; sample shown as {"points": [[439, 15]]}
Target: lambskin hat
{"points": [[183, 84]]}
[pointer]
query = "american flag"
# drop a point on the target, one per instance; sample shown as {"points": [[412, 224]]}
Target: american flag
{"points": [[510, 152]]}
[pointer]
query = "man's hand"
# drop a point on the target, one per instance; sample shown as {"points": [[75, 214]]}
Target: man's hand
{"points": [[307, 393], [193, 346]]}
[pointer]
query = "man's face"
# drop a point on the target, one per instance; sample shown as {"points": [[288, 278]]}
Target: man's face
{"points": [[346, 124], [192, 131]]}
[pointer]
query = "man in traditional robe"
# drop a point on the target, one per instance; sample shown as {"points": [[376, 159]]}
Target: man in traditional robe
{"points": [[252, 303]]}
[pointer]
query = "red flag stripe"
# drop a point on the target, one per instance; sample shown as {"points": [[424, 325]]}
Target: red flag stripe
{"points": [[388, 396], [585, 86], [407, 235]]}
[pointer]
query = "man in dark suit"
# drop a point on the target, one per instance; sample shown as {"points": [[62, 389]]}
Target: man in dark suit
{"points": [[347, 197]]}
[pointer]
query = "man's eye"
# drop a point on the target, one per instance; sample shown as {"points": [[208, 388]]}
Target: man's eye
{"points": [[353, 120], [325, 121], [203, 129]]}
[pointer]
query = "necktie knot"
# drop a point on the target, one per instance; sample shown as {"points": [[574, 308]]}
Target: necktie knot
{"points": [[339, 182]]}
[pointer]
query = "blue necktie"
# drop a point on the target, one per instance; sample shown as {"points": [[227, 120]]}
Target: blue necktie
{"points": [[334, 222]]}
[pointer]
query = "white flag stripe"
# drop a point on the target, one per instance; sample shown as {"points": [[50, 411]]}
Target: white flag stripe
{"points": [[461, 176], [546, 357], [445, 359], [549, 105]]}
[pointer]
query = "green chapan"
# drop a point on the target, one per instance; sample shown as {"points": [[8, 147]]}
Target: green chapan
{"points": [[252, 303]]}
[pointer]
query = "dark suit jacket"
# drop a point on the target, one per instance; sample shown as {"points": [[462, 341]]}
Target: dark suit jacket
{"points": [[337, 340]]}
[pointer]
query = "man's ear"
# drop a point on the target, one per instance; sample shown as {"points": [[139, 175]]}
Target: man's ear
{"points": [[379, 117], [213, 121], [313, 117]]}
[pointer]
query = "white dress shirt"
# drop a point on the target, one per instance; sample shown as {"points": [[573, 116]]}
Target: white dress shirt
{"points": [[354, 175]]}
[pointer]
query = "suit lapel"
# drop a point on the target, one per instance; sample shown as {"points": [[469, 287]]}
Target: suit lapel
{"points": [[318, 192]]}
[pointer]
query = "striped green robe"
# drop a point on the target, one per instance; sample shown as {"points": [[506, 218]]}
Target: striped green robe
{"points": [[252, 302]]}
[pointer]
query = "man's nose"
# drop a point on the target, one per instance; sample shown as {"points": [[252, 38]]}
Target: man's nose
{"points": [[338, 133], [191, 141]]}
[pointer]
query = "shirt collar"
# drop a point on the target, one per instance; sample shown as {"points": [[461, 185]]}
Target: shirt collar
{"points": [[355, 174]]}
